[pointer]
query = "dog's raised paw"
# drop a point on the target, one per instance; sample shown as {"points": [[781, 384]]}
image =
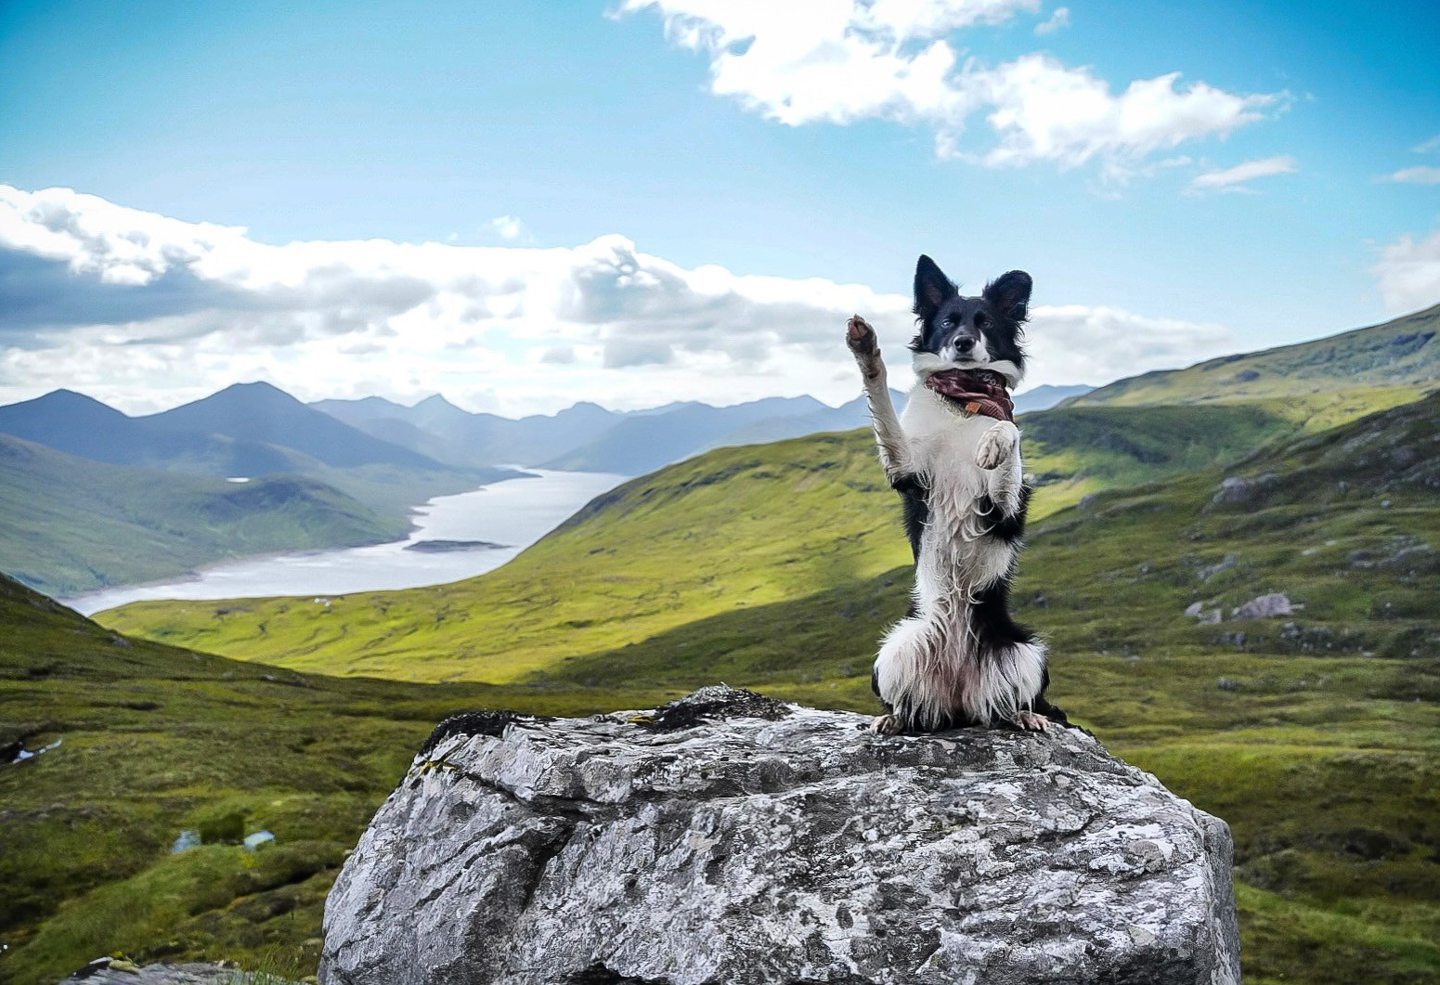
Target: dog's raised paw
{"points": [[860, 337], [886, 725], [996, 445]]}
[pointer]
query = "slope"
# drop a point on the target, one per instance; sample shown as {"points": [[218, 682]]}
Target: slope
{"points": [[1365, 369], [69, 524], [153, 741], [736, 527]]}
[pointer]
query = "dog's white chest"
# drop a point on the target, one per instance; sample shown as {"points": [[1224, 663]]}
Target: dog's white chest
{"points": [[944, 442]]}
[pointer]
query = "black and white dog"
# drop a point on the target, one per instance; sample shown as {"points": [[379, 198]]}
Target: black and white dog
{"points": [[957, 658]]}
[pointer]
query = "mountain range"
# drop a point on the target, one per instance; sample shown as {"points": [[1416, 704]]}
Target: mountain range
{"points": [[590, 438]]}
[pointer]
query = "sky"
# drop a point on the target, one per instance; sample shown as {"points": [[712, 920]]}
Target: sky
{"points": [[638, 201]]}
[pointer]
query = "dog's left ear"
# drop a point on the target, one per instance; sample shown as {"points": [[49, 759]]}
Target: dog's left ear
{"points": [[1010, 295]]}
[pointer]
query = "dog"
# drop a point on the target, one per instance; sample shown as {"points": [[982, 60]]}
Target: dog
{"points": [[958, 658]]}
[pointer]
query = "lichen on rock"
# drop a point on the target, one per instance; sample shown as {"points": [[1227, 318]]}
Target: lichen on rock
{"points": [[730, 838]]}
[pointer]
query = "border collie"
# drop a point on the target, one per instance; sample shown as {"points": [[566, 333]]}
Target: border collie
{"points": [[957, 659]]}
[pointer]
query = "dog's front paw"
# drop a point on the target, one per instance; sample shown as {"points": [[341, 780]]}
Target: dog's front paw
{"points": [[996, 445], [860, 337]]}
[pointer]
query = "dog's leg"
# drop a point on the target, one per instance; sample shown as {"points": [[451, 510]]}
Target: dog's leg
{"points": [[999, 455], [889, 436]]}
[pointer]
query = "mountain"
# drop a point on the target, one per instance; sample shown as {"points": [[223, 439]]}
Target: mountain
{"points": [[70, 524], [80, 425], [263, 413], [1047, 396], [450, 434], [248, 430], [644, 442], [1397, 360]]}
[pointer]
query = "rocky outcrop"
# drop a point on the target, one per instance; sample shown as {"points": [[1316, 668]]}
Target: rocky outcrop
{"points": [[728, 838]]}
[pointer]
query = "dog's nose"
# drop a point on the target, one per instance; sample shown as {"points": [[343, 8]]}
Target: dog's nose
{"points": [[964, 344]]}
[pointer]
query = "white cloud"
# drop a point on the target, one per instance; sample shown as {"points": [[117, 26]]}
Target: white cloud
{"points": [[1427, 146], [146, 311], [1416, 176], [1059, 19], [840, 61], [1235, 179], [507, 227], [1409, 273]]}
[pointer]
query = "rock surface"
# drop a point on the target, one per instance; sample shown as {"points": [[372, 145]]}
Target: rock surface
{"points": [[728, 838], [110, 971]]}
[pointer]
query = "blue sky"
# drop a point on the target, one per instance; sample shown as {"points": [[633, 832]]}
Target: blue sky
{"points": [[577, 121]]}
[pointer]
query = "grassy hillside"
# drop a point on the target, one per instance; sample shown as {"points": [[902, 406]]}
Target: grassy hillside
{"points": [[69, 524], [1396, 361], [155, 741], [1315, 734], [732, 529]]}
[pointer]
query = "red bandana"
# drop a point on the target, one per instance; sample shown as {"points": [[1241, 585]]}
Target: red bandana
{"points": [[977, 391]]}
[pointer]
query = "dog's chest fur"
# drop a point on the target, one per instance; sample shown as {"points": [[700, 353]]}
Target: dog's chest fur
{"points": [[953, 551]]}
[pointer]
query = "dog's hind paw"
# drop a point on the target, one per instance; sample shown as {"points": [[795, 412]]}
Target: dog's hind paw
{"points": [[1029, 721], [996, 445], [887, 725]]}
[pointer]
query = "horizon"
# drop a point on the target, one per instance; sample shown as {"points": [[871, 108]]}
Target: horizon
{"points": [[465, 220], [440, 396]]}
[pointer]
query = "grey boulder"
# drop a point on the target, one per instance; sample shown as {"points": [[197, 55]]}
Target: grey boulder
{"points": [[729, 838]]}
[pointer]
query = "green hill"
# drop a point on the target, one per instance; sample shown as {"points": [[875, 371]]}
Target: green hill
{"points": [[1329, 379], [154, 741], [70, 524]]}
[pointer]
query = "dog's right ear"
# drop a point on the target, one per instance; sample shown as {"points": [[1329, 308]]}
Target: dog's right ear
{"points": [[932, 288]]}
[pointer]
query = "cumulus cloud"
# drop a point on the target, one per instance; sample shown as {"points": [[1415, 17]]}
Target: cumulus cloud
{"points": [[840, 61], [1415, 176], [1059, 19], [1236, 179], [147, 311], [1409, 273], [507, 227]]}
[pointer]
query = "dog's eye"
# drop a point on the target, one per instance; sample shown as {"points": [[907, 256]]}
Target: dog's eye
{"points": [[981, 320]]}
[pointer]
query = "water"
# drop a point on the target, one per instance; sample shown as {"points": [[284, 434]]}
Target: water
{"points": [[515, 513]]}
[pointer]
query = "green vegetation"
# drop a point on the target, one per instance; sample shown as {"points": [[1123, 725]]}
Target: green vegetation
{"points": [[156, 741], [69, 524]]}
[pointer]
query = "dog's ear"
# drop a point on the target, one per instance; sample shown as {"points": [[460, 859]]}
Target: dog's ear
{"points": [[932, 288], [1010, 295]]}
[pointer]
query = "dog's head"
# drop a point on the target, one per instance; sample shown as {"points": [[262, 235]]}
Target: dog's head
{"points": [[956, 332]]}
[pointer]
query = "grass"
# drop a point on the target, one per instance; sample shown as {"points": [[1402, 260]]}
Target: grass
{"points": [[156, 740], [1315, 735]]}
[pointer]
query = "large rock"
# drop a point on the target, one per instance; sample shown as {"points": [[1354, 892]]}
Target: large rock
{"points": [[729, 838]]}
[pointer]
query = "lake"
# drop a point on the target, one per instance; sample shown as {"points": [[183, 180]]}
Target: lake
{"points": [[515, 513]]}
